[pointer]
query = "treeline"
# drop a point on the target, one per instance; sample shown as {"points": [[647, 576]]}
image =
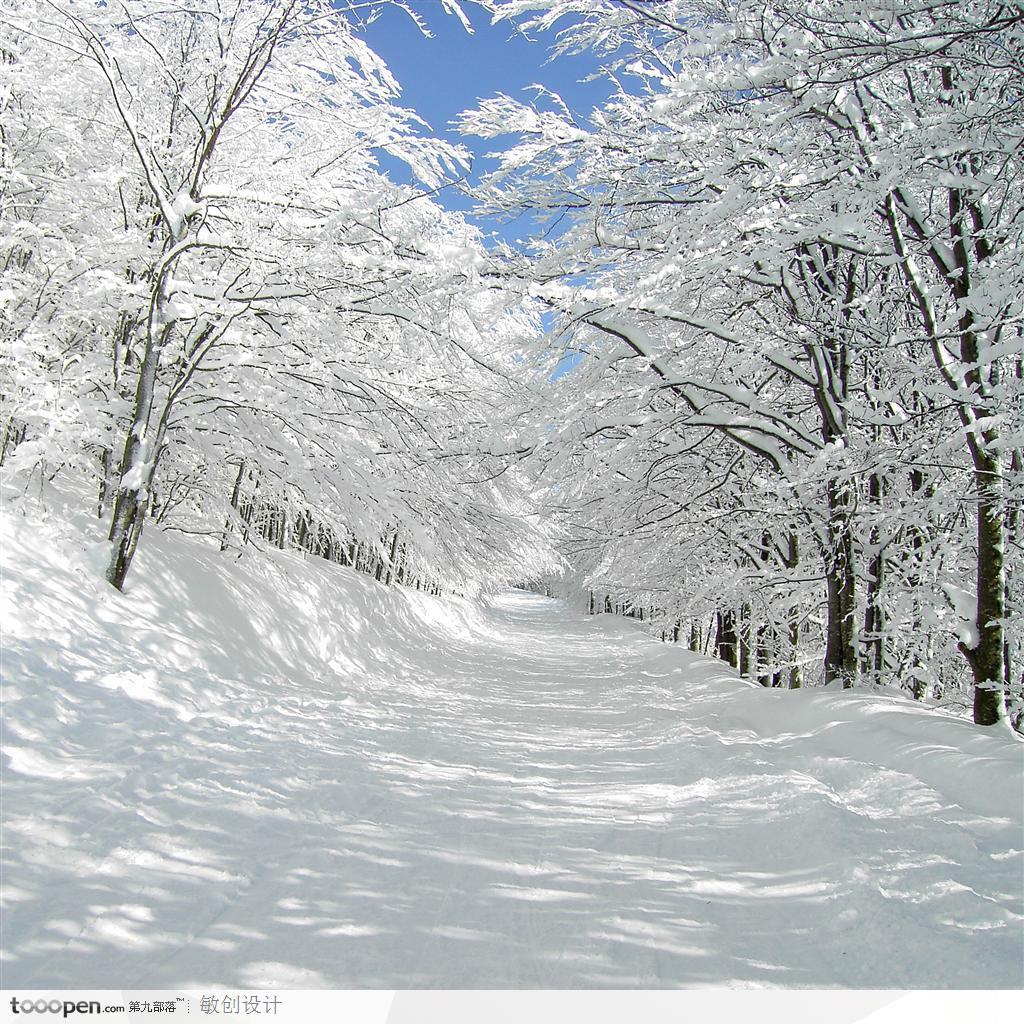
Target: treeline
{"points": [[259, 513]]}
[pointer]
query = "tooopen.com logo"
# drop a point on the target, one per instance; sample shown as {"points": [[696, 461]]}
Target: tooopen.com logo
{"points": [[65, 1007]]}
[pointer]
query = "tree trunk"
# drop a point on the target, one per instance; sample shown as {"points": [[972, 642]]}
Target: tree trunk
{"points": [[986, 657], [1013, 525], [971, 247], [874, 614], [300, 531], [726, 640], [766, 674], [796, 672], [106, 471], [392, 555], [138, 465], [747, 650], [840, 581], [235, 492]]}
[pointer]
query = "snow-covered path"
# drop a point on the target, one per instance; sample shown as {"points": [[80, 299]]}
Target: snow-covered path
{"points": [[530, 798]]}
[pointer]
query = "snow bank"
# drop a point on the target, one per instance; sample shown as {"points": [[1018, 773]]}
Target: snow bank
{"points": [[271, 617]]}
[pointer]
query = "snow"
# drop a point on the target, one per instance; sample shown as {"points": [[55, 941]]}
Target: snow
{"points": [[272, 772], [964, 605]]}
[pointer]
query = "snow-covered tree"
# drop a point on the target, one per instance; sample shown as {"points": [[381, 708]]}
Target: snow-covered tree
{"points": [[799, 228], [219, 294]]}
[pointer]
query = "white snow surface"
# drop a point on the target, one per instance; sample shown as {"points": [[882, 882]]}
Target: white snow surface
{"points": [[272, 772]]}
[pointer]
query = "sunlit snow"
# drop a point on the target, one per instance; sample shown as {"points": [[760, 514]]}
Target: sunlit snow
{"points": [[274, 772]]}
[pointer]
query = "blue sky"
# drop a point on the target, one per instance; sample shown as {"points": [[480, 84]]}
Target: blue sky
{"points": [[446, 74]]}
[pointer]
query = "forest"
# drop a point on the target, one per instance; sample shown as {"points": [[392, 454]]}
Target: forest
{"points": [[567, 539], [754, 376]]}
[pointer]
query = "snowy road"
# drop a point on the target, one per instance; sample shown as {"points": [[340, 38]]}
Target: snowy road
{"points": [[532, 799]]}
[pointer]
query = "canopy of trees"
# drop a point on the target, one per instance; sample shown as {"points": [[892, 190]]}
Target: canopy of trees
{"points": [[788, 254], [780, 271], [218, 306]]}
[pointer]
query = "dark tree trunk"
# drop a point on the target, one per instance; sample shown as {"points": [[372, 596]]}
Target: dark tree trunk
{"points": [[1013, 536], [796, 672], [987, 656], [874, 613], [726, 640], [840, 582], [392, 556], [766, 655]]}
